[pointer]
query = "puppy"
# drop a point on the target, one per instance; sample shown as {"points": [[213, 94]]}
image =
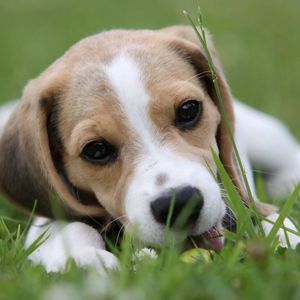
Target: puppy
{"points": [[120, 125]]}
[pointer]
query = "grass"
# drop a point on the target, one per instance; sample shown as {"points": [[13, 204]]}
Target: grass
{"points": [[249, 267], [254, 40]]}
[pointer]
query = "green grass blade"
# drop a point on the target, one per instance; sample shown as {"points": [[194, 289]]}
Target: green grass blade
{"points": [[284, 213], [200, 32], [35, 244], [31, 216], [171, 211], [243, 215]]}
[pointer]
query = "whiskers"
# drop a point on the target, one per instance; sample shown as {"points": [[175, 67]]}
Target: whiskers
{"points": [[109, 224], [122, 225], [122, 230], [229, 220]]}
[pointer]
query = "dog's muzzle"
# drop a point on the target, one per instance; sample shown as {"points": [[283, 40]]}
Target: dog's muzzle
{"points": [[179, 207]]}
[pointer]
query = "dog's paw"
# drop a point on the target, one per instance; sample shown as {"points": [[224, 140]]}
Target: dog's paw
{"points": [[70, 241], [101, 260], [285, 238]]}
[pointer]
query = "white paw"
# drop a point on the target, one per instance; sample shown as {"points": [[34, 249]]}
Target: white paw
{"points": [[293, 240], [89, 257], [66, 241]]}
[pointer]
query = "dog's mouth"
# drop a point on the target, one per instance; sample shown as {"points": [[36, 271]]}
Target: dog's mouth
{"points": [[211, 239]]}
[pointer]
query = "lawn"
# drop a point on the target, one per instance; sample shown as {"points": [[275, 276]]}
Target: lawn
{"points": [[259, 45]]}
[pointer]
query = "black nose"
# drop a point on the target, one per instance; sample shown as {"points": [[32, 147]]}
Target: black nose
{"points": [[187, 203]]}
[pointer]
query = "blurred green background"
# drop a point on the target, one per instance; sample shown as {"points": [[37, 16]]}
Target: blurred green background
{"points": [[258, 41]]}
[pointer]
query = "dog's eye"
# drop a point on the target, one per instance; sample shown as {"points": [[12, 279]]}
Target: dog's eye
{"points": [[99, 152], [188, 114]]}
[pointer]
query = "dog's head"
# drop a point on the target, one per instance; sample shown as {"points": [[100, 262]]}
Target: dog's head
{"points": [[123, 125]]}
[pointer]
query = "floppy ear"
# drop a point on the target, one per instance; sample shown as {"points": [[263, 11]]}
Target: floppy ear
{"points": [[28, 172], [185, 42]]}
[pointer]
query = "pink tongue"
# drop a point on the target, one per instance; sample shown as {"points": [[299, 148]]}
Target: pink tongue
{"points": [[214, 239]]}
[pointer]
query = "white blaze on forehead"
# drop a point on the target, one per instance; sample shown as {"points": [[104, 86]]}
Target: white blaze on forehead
{"points": [[125, 76], [126, 79]]}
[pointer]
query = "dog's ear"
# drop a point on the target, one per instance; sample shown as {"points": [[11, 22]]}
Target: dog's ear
{"points": [[28, 172], [186, 43]]}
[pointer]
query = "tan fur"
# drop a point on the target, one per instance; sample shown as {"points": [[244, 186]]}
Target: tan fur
{"points": [[72, 103]]}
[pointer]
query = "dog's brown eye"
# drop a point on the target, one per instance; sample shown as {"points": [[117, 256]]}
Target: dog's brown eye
{"points": [[99, 152], [188, 114]]}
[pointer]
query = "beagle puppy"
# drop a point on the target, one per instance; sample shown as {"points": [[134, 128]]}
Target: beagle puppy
{"points": [[121, 127]]}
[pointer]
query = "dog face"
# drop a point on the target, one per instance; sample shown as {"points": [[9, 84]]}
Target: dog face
{"points": [[119, 126], [147, 134]]}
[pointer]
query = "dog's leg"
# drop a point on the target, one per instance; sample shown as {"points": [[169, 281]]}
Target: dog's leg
{"points": [[263, 141], [285, 238], [65, 241], [270, 147]]}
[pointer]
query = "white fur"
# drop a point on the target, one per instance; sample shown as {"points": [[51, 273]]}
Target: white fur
{"points": [[270, 147], [126, 78], [293, 240], [74, 240], [143, 190]]}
